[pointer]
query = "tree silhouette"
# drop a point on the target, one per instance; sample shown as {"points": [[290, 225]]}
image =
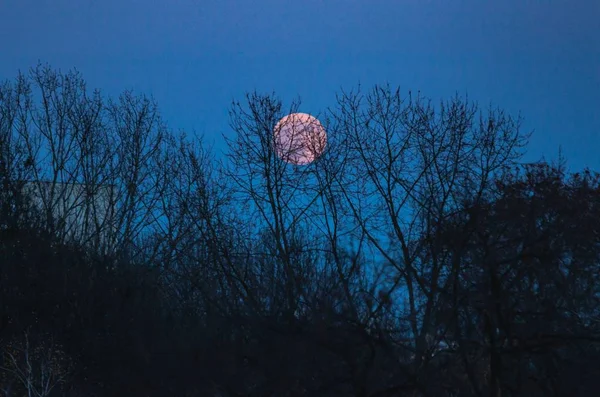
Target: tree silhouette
{"points": [[526, 292], [414, 257]]}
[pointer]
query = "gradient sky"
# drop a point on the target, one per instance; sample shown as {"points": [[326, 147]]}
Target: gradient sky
{"points": [[540, 58]]}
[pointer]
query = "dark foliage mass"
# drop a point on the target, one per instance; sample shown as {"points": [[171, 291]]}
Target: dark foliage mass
{"points": [[415, 257]]}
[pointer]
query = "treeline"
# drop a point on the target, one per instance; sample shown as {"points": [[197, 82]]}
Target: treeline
{"points": [[416, 257]]}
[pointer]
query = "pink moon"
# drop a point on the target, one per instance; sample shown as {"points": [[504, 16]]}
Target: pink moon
{"points": [[299, 138]]}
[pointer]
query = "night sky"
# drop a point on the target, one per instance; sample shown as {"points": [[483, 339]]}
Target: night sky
{"points": [[540, 58]]}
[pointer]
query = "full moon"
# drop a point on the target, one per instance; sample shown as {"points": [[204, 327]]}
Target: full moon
{"points": [[299, 138]]}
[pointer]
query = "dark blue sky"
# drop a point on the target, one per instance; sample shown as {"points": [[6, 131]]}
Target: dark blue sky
{"points": [[194, 56]]}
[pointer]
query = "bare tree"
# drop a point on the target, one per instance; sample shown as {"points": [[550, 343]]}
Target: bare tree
{"points": [[527, 289], [276, 194], [412, 167], [91, 165], [38, 367]]}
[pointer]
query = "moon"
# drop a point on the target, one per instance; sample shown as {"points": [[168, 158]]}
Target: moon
{"points": [[299, 138]]}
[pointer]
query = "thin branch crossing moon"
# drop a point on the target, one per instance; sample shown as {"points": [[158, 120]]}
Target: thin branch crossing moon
{"points": [[299, 138]]}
